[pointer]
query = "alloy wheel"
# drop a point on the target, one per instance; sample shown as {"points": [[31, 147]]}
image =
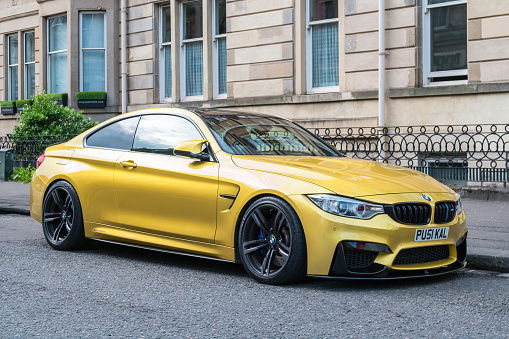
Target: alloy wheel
{"points": [[59, 215], [267, 240]]}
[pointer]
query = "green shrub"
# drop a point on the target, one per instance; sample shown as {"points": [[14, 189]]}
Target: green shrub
{"points": [[91, 95], [45, 117], [57, 96], [23, 175], [23, 103], [8, 104]]}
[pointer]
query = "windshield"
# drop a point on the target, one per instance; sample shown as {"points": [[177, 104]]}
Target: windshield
{"points": [[256, 135]]}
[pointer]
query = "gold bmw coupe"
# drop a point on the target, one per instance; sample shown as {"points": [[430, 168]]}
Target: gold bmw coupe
{"points": [[249, 188]]}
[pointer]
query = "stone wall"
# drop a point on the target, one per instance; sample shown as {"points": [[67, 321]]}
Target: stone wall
{"points": [[361, 44], [260, 48], [140, 53], [488, 34]]}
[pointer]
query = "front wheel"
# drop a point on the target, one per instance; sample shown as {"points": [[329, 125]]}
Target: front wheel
{"points": [[62, 219], [271, 242]]}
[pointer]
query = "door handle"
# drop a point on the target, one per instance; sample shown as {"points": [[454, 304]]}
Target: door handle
{"points": [[129, 164]]}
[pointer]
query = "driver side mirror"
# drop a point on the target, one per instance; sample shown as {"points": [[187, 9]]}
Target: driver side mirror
{"points": [[192, 149]]}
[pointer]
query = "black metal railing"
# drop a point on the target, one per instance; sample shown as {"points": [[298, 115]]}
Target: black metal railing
{"points": [[452, 154], [28, 149]]}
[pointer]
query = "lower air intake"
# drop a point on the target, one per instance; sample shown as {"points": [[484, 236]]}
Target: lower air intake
{"points": [[356, 260], [422, 255]]}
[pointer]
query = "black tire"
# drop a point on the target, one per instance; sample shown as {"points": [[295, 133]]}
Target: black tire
{"points": [[62, 218], [271, 242]]}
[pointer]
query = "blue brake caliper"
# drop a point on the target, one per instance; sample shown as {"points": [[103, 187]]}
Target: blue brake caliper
{"points": [[261, 236]]}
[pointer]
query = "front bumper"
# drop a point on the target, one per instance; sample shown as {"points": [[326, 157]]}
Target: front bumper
{"points": [[327, 238], [392, 275]]}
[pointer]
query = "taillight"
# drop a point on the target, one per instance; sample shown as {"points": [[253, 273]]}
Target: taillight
{"points": [[40, 159]]}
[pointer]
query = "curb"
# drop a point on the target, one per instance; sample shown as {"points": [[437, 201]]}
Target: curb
{"points": [[488, 263], [488, 259], [9, 209], [482, 193]]}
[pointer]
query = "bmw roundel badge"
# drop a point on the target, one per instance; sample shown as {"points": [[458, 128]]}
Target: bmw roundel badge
{"points": [[425, 197]]}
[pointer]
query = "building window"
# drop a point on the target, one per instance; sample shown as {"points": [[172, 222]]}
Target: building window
{"points": [[29, 38], [57, 55], [219, 46], [165, 52], [92, 52], [445, 41], [192, 50], [12, 65], [322, 65]]}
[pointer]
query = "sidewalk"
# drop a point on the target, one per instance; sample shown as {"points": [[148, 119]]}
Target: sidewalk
{"points": [[488, 225], [14, 197]]}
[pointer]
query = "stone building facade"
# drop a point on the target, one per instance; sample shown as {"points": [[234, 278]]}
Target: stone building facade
{"points": [[313, 61]]}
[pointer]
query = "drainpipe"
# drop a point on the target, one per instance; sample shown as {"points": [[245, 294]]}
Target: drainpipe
{"points": [[123, 43], [381, 76], [381, 64]]}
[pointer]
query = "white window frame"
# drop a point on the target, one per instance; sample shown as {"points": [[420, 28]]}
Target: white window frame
{"points": [[9, 66], [309, 52], [48, 53], [215, 54], [427, 48], [162, 64], [92, 49], [25, 91], [183, 94]]}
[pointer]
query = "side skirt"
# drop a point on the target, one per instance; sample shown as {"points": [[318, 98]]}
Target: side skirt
{"points": [[145, 240], [163, 250]]}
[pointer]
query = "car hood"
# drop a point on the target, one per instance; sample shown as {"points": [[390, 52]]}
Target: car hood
{"points": [[345, 176]]}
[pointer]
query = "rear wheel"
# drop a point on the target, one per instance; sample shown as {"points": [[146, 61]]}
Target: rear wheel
{"points": [[271, 242], [62, 219]]}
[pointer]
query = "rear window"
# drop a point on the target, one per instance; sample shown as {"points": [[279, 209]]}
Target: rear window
{"points": [[118, 135]]}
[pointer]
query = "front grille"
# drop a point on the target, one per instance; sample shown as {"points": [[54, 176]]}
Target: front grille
{"points": [[356, 260], [410, 213], [444, 212], [422, 255]]}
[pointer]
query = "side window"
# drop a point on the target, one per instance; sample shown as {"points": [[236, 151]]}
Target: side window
{"points": [[118, 135], [445, 41], [161, 133], [322, 51]]}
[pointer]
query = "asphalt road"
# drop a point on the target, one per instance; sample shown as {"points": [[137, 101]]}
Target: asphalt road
{"points": [[114, 291]]}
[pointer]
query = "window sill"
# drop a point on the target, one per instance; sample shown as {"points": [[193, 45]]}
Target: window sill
{"points": [[193, 98], [446, 83], [444, 90], [395, 93], [107, 109], [320, 90]]}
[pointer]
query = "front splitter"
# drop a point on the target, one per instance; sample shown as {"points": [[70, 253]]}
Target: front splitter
{"points": [[394, 275]]}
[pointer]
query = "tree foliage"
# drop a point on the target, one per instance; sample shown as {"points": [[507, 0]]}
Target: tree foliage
{"points": [[45, 117]]}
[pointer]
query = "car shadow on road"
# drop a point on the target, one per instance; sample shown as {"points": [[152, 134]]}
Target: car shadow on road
{"points": [[393, 284], [165, 258], [236, 270]]}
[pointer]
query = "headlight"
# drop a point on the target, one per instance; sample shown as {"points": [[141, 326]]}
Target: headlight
{"points": [[459, 206], [346, 207]]}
